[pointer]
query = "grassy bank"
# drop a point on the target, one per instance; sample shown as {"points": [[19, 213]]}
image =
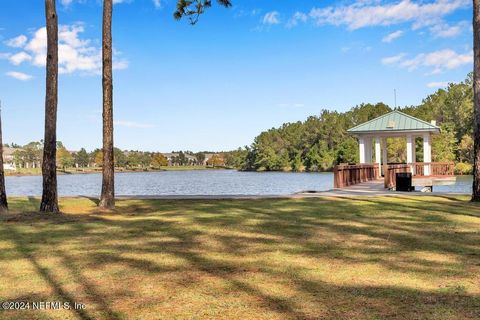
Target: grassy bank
{"points": [[372, 258], [38, 171]]}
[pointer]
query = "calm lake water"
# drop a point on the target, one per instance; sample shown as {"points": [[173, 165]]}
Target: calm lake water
{"points": [[200, 182]]}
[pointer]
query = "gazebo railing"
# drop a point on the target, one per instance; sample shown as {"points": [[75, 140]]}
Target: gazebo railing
{"points": [[348, 175], [390, 173], [418, 169], [345, 175], [434, 168]]}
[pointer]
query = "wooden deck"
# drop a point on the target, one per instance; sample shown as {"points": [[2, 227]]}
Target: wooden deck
{"points": [[422, 181], [372, 188]]}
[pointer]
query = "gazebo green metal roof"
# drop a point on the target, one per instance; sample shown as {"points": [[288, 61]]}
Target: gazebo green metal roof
{"points": [[394, 121]]}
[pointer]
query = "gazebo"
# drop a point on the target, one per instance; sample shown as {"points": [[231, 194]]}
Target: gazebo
{"points": [[372, 137]]}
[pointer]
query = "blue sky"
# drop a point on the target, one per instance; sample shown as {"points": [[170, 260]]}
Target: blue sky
{"points": [[239, 71]]}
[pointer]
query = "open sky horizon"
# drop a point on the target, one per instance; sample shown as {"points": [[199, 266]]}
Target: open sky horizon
{"points": [[239, 71]]}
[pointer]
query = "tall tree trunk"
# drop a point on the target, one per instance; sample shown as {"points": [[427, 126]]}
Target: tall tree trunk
{"points": [[49, 196], [107, 199], [476, 100], [3, 192]]}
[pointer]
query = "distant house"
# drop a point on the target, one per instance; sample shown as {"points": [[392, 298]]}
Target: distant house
{"points": [[208, 156], [170, 157], [8, 158], [173, 158]]}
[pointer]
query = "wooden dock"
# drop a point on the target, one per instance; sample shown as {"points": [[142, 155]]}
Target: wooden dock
{"points": [[422, 181], [424, 174]]}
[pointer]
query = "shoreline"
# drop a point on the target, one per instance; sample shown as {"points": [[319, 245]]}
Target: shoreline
{"points": [[61, 172], [300, 195]]}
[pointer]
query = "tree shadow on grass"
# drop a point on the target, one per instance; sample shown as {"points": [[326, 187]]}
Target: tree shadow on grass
{"points": [[340, 301], [94, 200], [254, 229], [26, 250], [453, 206], [419, 230], [45, 273]]}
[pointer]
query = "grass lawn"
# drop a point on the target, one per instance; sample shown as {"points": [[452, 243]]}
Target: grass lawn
{"points": [[371, 258], [38, 171]]}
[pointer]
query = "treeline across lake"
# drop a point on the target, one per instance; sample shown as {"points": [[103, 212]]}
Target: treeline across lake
{"points": [[320, 142], [29, 156]]}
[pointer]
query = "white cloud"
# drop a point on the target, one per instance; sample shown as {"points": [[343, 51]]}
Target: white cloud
{"points": [[271, 18], [19, 75], [157, 3], [297, 17], [74, 53], [393, 59], [444, 30], [17, 42], [38, 47], [131, 124], [120, 64], [369, 13], [254, 12], [440, 84], [440, 60], [392, 36], [365, 13], [239, 13], [20, 57]]}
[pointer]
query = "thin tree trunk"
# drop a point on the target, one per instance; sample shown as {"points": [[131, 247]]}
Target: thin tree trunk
{"points": [[3, 192], [49, 196], [107, 199]]}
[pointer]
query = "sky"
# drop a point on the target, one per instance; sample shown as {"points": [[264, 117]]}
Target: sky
{"points": [[239, 71]]}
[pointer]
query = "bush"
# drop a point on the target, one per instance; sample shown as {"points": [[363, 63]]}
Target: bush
{"points": [[462, 168]]}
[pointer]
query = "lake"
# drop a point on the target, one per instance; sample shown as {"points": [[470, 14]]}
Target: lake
{"points": [[198, 182]]}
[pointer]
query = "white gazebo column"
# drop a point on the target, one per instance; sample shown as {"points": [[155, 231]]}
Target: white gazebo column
{"points": [[427, 153], [361, 145], [384, 155], [414, 155], [378, 155], [411, 152], [368, 150], [414, 150]]}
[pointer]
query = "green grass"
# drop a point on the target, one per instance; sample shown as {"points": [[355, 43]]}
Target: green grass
{"points": [[38, 171], [318, 258], [24, 171]]}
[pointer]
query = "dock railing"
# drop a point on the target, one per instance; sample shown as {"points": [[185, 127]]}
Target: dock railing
{"points": [[391, 171], [345, 175], [348, 175], [434, 168], [418, 169]]}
